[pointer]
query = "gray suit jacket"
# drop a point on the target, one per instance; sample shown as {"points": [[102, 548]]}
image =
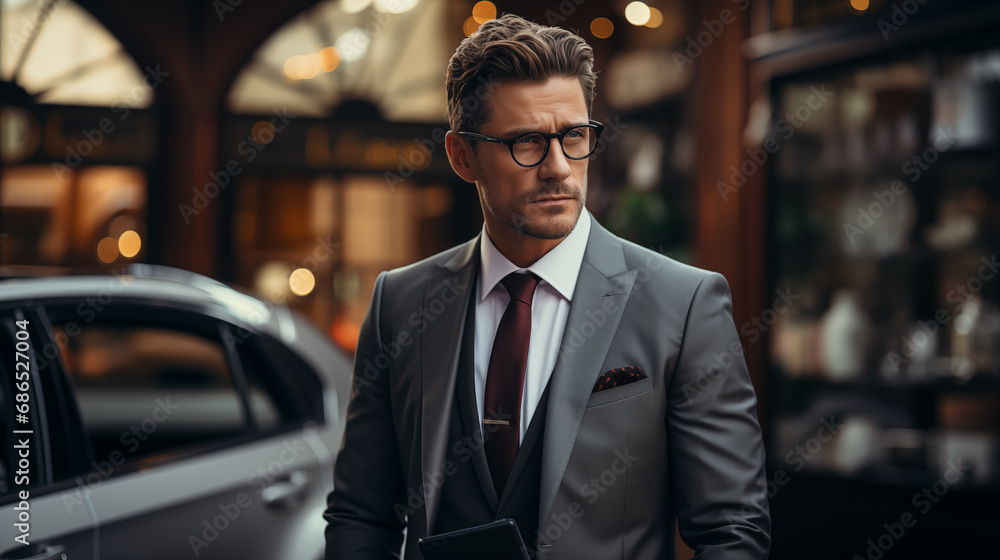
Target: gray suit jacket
{"points": [[617, 465]]}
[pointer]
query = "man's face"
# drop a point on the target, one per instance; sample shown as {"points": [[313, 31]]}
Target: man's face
{"points": [[544, 201]]}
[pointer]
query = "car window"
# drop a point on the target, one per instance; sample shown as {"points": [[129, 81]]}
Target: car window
{"points": [[277, 382], [147, 391], [265, 410]]}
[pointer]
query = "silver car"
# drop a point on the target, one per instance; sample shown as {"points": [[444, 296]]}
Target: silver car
{"points": [[161, 414]]}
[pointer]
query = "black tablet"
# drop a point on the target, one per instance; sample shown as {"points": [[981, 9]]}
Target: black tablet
{"points": [[499, 540]]}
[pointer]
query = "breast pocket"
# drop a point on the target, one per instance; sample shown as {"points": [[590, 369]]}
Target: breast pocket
{"points": [[618, 393]]}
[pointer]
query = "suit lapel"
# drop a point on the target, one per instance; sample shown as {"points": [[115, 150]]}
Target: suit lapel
{"points": [[446, 299], [603, 286]]}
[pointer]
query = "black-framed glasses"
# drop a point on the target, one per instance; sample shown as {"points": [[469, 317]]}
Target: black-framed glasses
{"points": [[530, 149]]}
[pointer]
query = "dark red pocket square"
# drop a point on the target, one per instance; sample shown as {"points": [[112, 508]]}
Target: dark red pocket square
{"points": [[618, 377]]}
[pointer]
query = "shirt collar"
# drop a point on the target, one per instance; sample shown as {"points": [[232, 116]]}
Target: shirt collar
{"points": [[559, 267]]}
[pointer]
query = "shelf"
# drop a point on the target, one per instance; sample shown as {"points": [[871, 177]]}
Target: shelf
{"points": [[819, 516], [795, 50], [881, 478], [978, 382]]}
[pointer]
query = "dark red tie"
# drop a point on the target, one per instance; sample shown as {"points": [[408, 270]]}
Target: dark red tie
{"points": [[505, 378]]}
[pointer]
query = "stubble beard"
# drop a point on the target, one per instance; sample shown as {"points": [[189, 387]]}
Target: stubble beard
{"points": [[531, 219]]}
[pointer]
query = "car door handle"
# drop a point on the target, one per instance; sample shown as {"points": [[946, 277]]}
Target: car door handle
{"points": [[286, 490], [45, 552]]}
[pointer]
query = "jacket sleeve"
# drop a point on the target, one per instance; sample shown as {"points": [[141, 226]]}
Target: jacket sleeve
{"points": [[368, 476], [714, 440]]}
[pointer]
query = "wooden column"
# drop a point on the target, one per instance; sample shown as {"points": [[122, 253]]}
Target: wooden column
{"points": [[202, 46], [731, 228]]}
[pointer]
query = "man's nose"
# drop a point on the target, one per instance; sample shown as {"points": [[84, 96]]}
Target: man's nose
{"points": [[555, 166]]}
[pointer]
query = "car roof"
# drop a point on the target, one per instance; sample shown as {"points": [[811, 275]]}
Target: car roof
{"points": [[169, 286]]}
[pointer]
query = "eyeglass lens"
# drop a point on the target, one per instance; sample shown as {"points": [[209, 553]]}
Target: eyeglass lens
{"points": [[578, 143]]}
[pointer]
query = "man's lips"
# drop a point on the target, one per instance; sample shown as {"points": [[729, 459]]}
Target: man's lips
{"points": [[554, 201], [554, 198]]}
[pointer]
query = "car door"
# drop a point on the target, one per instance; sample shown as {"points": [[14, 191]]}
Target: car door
{"points": [[36, 460], [191, 453]]}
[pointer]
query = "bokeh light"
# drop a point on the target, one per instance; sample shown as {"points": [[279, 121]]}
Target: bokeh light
{"points": [[602, 28], [637, 13], [129, 244], [345, 333], [860, 5], [353, 45], [107, 250], [271, 281], [484, 11], [395, 6], [470, 26], [302, 66], [301, 281], [655, 18], [329, 59]]}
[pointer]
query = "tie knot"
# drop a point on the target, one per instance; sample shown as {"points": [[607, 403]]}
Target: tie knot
{"points": [[520, 286]]}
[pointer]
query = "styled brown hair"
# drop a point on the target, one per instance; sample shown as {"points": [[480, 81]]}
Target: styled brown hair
{"points": [[512, 49]]}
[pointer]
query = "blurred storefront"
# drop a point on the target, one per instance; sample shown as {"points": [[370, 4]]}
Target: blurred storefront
{"points": [[836, 160], [80, 141], [878, 123]]}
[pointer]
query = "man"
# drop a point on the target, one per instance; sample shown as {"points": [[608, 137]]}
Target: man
{"points": [[546, 371]]}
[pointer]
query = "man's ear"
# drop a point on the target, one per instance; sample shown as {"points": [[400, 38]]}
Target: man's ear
{"points": [[460, 156]]}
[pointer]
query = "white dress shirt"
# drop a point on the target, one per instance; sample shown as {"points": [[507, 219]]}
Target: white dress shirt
{"points": [[557, 271]]}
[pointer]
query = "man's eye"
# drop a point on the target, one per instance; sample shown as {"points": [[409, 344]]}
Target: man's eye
{"points": [[575, 134], [527, 140]]}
